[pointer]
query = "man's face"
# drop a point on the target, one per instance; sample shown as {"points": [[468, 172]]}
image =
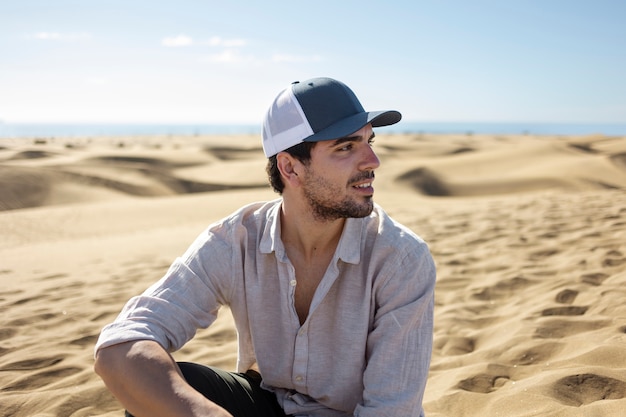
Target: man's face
{"points": [[338, 180]]}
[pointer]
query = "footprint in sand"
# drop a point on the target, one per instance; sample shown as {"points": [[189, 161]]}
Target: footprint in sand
{"points": [[542, 254], [613, 262], [594, 278], [457, 345], [565, 311], [8, 332], [580, 389], [566, 296], [559, 328], [484, 383], [503, 289]]}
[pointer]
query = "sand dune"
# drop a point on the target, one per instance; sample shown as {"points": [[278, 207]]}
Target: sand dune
{"points": [[528, 233]]}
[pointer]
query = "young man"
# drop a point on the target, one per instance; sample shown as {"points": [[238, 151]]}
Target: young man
{"points": [[332, 299]]}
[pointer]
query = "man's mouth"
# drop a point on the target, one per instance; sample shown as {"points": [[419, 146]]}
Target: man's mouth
{"points": [[364, 176], [363, 182]]}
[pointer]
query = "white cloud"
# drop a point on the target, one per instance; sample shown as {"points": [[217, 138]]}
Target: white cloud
{"points": [[235, 56], [177, 41], [65, 37], [233, 51], [226, 43], [215, 41], [46, 36]]}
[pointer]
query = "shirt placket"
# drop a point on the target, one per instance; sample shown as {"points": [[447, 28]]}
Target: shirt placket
{"points": [[301, 359], [301, 353]]}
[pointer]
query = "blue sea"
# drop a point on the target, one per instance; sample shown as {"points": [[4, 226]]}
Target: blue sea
{"points": [[31, 130]]}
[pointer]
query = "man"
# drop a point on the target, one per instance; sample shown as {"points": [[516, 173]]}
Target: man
{"points": [[332, 299]]}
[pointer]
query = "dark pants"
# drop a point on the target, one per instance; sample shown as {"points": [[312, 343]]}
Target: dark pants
{"points": [[240, 394]]}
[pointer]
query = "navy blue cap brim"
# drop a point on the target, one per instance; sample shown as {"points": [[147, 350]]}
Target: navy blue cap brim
{"points": [[351, 124]]}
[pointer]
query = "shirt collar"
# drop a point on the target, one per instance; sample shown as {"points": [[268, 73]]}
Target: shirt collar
{"points": [[270, 240], [348, 249]]}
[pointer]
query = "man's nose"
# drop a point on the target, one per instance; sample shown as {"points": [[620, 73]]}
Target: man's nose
{"points": [[370, 159]]}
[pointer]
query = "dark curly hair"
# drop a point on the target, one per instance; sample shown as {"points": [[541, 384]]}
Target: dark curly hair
{"points": [[301, 151]]}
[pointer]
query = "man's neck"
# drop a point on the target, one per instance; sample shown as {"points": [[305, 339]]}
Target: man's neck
{"points": [[310, 237]]}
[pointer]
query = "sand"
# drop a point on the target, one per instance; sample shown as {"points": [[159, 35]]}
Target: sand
{"points": [[528, 232]]}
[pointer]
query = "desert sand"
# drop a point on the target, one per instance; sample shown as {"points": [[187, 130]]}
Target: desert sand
{"points": [[528, 233]]}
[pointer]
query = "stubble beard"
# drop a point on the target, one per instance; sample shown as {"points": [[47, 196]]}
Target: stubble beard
{"points": [[319, 193]]}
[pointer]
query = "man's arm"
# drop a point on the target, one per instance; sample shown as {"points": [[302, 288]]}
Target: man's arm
{"points": [[400, 342], [147, 381]]}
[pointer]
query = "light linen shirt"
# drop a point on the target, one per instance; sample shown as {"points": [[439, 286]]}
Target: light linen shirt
{"points": [[365, 347]]}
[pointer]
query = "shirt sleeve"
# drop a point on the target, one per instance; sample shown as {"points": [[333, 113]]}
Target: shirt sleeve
{"points": [[399, 346], [187, 298]]}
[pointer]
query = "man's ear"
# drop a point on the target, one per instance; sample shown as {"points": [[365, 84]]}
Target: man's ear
{"points": [[288, 167]]}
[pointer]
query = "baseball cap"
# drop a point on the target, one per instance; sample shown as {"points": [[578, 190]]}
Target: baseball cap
{"points": [[314, 110]]}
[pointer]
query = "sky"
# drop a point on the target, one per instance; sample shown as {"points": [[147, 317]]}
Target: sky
{"points": [[223, 62]]}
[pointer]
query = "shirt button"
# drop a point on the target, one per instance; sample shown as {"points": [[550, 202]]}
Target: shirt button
{"points": [[293, 282], [299, 378]]}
